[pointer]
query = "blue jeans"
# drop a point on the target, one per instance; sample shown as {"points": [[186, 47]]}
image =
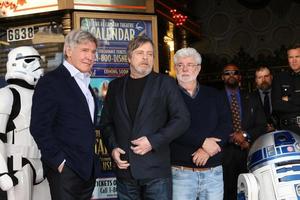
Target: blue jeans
{"points": [[204, 185], [146, 189]]}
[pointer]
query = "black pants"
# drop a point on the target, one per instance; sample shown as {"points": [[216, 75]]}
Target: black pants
{"points": [[69, 186], [235, 163]]}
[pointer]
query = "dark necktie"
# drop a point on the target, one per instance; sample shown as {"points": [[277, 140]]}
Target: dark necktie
{"points": [[267, 104], [235, 111]]}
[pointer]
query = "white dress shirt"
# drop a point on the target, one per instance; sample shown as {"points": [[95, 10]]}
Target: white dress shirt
{"points": [[83, 81]]}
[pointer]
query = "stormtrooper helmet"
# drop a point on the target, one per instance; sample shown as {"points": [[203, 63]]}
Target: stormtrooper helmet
{"points": [[24, 63]]}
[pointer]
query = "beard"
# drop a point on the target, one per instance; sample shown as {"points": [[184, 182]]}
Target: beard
{"points": [[264, 86], [141, 71], [185, 78], [144, 71], [232, 83]]}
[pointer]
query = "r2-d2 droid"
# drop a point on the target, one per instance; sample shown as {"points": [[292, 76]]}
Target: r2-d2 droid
{"points": [[274, 165]]}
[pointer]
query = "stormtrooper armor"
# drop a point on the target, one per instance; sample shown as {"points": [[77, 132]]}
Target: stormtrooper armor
{"points": [[274, 166], [20, 165]]}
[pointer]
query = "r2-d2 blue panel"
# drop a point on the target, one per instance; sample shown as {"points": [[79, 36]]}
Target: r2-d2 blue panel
{"points": [[274, 166]]}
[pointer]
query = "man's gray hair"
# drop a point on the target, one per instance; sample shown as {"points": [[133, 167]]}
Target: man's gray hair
{"points": [[76, 37], [187, 52]]}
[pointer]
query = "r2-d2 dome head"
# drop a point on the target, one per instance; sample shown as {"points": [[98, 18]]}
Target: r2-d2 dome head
{"points": [[273, 148], [274, 165], [24, 63]]}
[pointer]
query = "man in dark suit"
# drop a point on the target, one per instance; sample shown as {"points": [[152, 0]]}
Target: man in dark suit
{"points": [[263, 82], [62, 121], [143, 112], [248, 121]]}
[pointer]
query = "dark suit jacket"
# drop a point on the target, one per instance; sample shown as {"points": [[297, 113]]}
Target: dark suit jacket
{"points": [[235, 159], [253, 117], [61, 124], [161, 117], [273, 119]]}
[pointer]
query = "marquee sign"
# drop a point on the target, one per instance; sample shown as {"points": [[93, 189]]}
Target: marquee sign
{"points": [[10, 8]]}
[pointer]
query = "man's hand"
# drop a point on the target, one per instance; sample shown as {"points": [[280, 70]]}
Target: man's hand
{"points": [[6, 182], [270, 128], [285, 98], [141, 145], [116, 154], [200, 157], [237, 137], [211, 146]]}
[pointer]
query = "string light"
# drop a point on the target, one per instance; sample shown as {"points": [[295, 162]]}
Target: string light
{"points": [[178, 18]]}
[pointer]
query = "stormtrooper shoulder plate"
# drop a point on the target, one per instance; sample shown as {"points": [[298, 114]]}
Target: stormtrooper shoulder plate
{"points": [[22, 120]]}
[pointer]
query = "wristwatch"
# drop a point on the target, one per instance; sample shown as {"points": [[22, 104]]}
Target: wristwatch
{"points": [[246, 136]]}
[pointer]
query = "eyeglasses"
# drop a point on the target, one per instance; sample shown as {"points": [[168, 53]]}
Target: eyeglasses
{"points": [[189, 66], [231, 72]]}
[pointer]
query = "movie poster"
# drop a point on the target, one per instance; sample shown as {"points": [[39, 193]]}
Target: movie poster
{"points": [[113, 35]]}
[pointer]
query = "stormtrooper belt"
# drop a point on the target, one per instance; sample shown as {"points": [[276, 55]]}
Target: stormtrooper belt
{"points": [[22, 151]]}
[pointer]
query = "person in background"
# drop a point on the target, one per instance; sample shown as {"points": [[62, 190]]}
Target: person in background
{"points": [[286, 92], [248, 121], [62, 121], [263, 82], [142, 113], [196, 155]]}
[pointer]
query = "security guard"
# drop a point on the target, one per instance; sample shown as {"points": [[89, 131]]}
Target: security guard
{"points": [[286, 92]]}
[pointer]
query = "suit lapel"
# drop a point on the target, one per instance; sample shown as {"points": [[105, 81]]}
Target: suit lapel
{"points": [[244, 104], [123, 98], [144, 98], [95, 104], [258, 96], [76, 90], [145, 95]]}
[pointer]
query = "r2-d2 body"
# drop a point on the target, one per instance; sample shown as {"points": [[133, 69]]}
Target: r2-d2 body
{"points": [[274, 166]]}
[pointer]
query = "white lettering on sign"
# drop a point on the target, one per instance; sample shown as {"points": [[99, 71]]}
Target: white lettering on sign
{"points": [[105, 188], [20, 33]]}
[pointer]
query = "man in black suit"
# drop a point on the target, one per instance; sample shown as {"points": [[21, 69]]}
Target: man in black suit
{"points": [[143, 112], [263, 82], [62, 121], [248, 121]]}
